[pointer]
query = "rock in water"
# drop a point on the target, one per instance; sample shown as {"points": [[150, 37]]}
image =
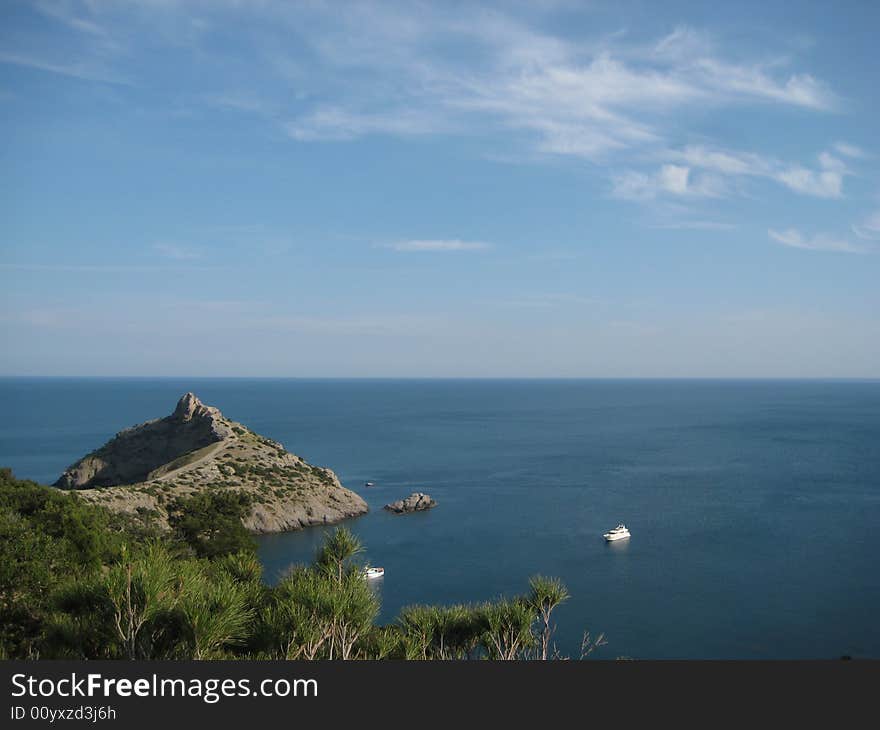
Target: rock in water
{"points": [[196, 447], [416, 502]]}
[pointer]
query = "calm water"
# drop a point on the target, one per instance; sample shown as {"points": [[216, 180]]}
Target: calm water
{"points": [[754, 506]]}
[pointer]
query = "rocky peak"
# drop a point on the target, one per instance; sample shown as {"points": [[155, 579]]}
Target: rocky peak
{"points": [[188, 406], [136, 452]]}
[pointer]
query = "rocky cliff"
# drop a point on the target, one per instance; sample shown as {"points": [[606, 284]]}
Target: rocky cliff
{"points": [[145, 467]]}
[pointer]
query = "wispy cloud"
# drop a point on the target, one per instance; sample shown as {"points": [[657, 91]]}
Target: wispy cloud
{"points": [[827, 182], [819, 242], [177, 252], [579, 99], [338, 124], [242, 101], [869, 228], [74, 69], [440, 245], [669, 179], [66, 14], [823, 181], [849, 150], [754, 82], [386, 69], [695, 225], [390, 73]]}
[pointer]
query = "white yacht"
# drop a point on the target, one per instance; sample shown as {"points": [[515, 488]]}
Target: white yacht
{"points": [[374, 572], [618, 533]]}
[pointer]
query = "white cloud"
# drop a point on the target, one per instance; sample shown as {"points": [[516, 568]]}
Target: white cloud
{"points": [[849, 150], [583, 99], [820, 242], [722, 161], [824, 181], [693, 54], [676, 180], [825, 184], [334, 123], [368, 69], [752, 82], [683, 43], [390, 69], [422, 245]]}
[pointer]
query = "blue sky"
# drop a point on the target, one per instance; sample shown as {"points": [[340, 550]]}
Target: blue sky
{"points": [[439, 189]]}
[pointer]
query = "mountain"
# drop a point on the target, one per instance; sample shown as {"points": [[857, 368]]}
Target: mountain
{"points": [[146, 467]]}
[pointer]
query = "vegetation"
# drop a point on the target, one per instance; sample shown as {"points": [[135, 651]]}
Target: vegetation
{"points": [[77, 581], [210, 522]]}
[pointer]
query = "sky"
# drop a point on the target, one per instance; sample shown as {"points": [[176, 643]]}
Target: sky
{"points": [[416, 189]]}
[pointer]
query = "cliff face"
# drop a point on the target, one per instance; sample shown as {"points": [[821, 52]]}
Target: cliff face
{"points": [[195, 448], [135, 453]]}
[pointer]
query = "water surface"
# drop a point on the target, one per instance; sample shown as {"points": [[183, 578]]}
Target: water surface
{"points": [[754, 506]]}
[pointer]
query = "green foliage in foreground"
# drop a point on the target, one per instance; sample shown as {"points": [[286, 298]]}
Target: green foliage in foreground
{"points": [[79, 582], [210, 522]]}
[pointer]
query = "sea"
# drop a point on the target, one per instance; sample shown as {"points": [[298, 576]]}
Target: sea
{"points": [[754, 506]]}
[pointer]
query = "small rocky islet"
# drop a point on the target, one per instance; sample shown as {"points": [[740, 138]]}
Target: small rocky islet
{"points": [[416, 502], [146, 467]]}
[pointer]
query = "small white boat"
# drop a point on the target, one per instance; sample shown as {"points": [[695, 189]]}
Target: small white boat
{"points": [[369, 484], [618, 533], [374, 572]]}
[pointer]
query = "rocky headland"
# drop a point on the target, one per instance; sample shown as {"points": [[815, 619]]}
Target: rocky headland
{"points": [[143, 469], [416, 502]]}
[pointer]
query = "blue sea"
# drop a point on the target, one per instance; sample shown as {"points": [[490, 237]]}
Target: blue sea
{"points": [[754, 506]]}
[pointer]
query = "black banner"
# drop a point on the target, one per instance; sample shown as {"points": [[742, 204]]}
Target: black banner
{"points": [[225, 694]]}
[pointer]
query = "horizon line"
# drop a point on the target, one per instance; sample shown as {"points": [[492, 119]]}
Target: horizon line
{"points": [[859, 378]]}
